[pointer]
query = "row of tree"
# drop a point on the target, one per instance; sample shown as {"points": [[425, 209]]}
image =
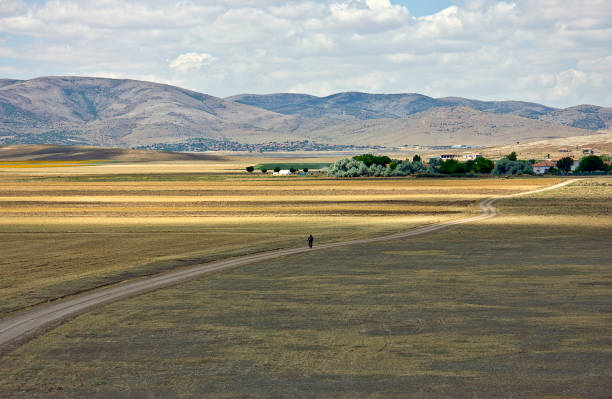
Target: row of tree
{"points": [[591, 163], [277, 169], [371, 165], [374, 165]]}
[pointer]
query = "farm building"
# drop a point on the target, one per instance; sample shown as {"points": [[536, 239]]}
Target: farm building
{"points": [[283, 172], [542, 167], [590, 151], [444, 157], [472, 156]]}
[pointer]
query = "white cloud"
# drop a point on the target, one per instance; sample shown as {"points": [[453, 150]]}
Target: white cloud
{"points": [[555, 51], [10, 7], [191, 61]]}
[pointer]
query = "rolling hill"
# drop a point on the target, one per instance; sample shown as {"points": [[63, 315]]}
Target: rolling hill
{"points": [[363, 106], [127, 113]]}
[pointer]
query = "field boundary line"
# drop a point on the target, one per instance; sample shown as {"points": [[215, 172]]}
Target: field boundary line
{"points": [[19, 327]]}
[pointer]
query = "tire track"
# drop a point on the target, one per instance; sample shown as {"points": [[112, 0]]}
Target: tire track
{"points": [[19, 327]]}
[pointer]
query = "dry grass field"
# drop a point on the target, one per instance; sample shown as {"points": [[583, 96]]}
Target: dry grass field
{"points": [[517, 306], [602, 142], [67, 233]]}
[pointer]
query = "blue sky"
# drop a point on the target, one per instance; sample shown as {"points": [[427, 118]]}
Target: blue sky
{"points": [[420, 8], [555, 52]]}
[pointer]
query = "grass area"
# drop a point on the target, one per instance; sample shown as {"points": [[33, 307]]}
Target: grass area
{"points": [[136, 177], [294, 165], [515, 306], [69, 234]]}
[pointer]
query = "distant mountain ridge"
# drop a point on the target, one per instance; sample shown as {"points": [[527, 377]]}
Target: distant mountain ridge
{"points": [[363, 106], [122, 112]]}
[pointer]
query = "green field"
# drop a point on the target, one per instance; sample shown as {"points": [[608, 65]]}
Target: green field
{"points": [[517, 306], [294, 165]]}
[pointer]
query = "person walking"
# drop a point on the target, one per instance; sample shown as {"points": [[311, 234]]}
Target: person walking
{"points": [[310, 240]]}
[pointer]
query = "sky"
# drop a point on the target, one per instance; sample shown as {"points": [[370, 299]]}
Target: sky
{"points": [[554, 52]]}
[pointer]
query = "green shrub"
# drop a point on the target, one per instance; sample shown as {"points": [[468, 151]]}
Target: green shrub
{"points": [[506, 166], [250, 169], [483, 165], [451, 167], [369, 159], [565, 164], [592, 163]]}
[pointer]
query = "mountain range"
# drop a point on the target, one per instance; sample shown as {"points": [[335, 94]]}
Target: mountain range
{"points": [[127, 113]]}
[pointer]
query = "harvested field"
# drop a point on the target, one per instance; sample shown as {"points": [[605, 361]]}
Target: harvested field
{"points": [[514, 306], [67, 234]]}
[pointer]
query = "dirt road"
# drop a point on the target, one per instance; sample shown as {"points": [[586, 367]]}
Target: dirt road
{"points": [[20, 326]]}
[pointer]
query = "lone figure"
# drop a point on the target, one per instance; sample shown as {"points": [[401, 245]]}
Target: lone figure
{"points": [[310, 240]]}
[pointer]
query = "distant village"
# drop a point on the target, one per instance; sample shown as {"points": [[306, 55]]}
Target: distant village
{"points": [[205, 144], [201, 145]]}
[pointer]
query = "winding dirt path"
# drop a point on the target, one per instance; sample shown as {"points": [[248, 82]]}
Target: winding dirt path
{"points": [[20, 326]]}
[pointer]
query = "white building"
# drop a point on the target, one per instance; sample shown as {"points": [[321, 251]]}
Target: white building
{"points": [[283, 172], [542, 167]]}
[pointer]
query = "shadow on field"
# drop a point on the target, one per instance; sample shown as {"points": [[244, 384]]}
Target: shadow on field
{"points": [[457, 313]]}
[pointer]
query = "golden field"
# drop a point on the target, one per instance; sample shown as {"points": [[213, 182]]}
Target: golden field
{"points": [[514, 306], [63, 233]]}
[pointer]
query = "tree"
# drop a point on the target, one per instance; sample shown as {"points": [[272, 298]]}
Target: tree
{"points": [[451, 167], [591, 163], [507, 167], [469, 165], [416, 158], [292, 170], [264, 170], [483, 165], [277, 169], [565, 164], [512, 156], [250, 169], [305, 170], [346, 167], [393, 164], [370, 159], [434, 165]]}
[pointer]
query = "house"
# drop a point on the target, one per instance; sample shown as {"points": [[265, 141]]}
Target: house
{"points": [[283, 172], [542, 167], [472, 156], [445, 157]]}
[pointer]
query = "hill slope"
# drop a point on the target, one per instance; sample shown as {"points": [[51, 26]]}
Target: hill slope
{"points": [[119, 112], [122, 112], [445, 126], [363, 106], [88, 153]]}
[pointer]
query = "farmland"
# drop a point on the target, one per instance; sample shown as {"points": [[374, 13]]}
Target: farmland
{"points": [[66, 233], [515, 306]]}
